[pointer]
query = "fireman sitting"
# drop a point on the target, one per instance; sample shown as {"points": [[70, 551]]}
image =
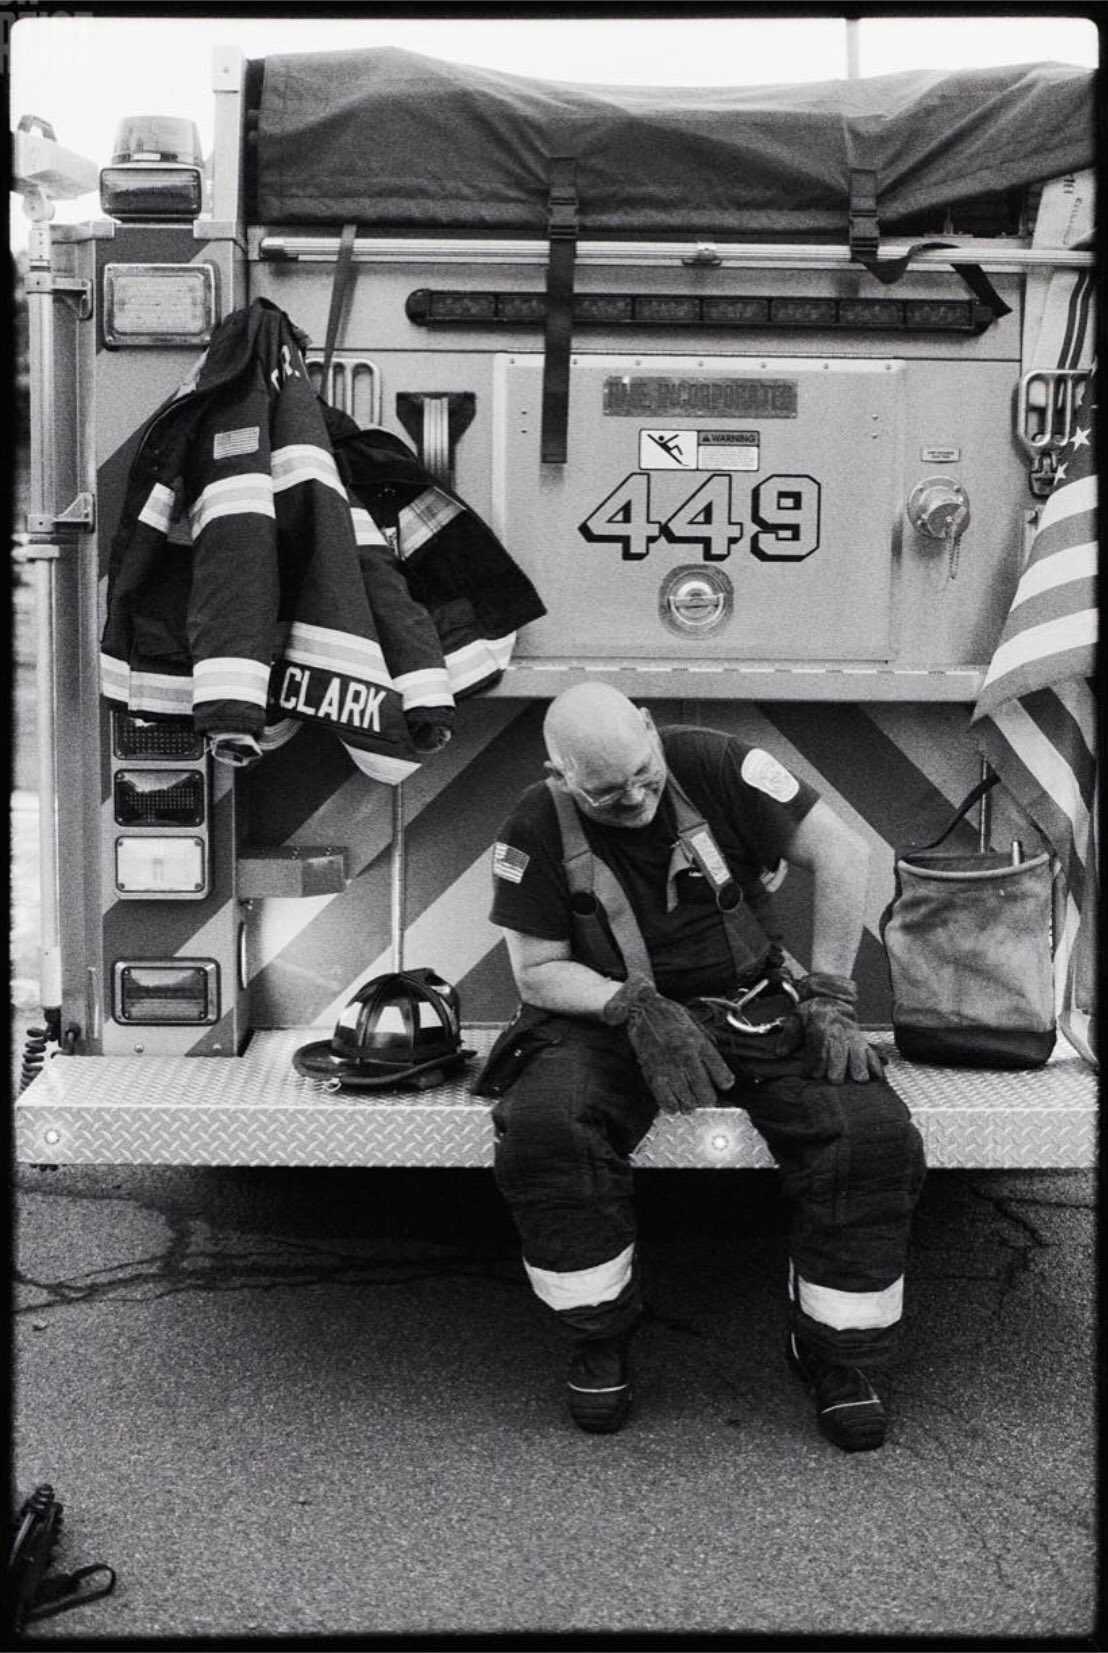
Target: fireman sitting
{"points": [[632, 887]]}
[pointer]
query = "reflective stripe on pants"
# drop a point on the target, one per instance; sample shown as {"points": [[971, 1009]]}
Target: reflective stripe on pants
{"points": [[850, 1160]]}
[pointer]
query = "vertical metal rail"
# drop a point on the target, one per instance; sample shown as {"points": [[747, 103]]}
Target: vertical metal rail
{"points": [[43, 552], [985, 812], [398, 877], [435, 452]]}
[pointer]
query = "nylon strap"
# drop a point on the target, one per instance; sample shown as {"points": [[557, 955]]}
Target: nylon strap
{"points": [[694, 839], [562, 228], [961, 812], [864, 234], [343, 264], [588, 875], [865, 239]]}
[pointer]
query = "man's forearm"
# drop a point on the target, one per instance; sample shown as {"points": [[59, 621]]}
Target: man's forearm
{"points": [[838, 917], [837, 923], [567, 987]]}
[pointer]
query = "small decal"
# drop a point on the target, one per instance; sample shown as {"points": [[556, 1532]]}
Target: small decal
{"points": [[509, 863], [727, 450], [763, 772], [940, 455], [229, 444], [667, 450]]}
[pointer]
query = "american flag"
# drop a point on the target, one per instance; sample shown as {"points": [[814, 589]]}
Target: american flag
{"points": [[1036, 714]]}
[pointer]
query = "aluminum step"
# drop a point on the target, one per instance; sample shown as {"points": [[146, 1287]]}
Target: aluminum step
{"points": [[256, 1110]]}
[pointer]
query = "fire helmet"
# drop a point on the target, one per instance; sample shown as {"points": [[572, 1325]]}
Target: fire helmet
{"points": [[399, 1030]]}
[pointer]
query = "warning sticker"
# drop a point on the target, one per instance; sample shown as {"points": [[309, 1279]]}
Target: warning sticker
{"points": [[667, 450], [727, 450], [698, 450]]}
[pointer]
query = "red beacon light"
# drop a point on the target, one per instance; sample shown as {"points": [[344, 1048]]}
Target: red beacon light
{"points": [[156, 171]]}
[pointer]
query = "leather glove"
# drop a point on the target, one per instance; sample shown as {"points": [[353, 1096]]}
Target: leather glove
{"points": [[834, 1044], [682, 1068]]}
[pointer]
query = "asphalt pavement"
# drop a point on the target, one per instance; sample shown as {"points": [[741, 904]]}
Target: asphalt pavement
{"points": [[293, 1404]]}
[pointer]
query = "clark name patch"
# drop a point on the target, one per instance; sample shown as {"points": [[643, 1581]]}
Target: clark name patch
{"points": [[509, 863], [763, 772]]}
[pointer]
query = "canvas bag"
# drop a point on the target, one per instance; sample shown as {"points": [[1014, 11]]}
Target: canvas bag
{"points": [[969, 944]]}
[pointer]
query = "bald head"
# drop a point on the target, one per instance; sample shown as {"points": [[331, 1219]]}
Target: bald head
{"points": [[592, 721], [607, 751]]}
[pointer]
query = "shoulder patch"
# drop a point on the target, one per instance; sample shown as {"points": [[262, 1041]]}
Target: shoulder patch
{"points": [[509, 863], [762, 771]]}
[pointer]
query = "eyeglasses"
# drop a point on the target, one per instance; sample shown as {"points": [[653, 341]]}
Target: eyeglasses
{"points": [[650, 773]]}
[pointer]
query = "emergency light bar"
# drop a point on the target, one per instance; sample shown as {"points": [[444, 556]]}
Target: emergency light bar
{"points": [[455, 307], [156, 172]]}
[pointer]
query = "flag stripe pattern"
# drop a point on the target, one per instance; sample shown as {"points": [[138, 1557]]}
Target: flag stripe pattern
{"points": [[1036, 716], [1051, 630]]}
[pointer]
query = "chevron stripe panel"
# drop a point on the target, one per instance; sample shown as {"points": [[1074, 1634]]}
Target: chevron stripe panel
{"points": [[895, 772]]}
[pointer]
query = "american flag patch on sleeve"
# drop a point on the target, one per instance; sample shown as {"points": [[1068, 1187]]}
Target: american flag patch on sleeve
{"points": [[509, 863]]}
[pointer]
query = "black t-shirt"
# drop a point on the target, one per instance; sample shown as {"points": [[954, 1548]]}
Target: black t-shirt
{"points": [[749, 800]]}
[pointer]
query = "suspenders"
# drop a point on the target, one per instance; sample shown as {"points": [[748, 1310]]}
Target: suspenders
{"points": [[594, 889]]}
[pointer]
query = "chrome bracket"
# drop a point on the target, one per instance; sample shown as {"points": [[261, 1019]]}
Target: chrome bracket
{"points": [[74, 289], [79, 513]]}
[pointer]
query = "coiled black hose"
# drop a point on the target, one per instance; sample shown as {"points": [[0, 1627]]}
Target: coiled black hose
{"points": [[34, 1056]]}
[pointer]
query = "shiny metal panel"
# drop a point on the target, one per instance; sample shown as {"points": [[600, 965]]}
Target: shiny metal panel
{"points": [[256, 1110]]}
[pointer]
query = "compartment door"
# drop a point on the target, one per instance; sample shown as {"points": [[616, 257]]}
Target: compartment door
{"points": [[732, 508]]}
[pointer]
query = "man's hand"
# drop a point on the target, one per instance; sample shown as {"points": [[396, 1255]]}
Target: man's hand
{"points": [[682, 1068], [834, 1044]]}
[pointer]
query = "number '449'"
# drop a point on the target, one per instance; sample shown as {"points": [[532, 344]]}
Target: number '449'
{"points": [[784, 508]]}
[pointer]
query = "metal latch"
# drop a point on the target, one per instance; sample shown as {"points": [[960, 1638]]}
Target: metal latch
{"points": [[1046, 403], [68, 287]]}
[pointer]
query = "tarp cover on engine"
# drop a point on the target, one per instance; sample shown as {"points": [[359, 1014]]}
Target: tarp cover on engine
{"points": [[396, 141]]}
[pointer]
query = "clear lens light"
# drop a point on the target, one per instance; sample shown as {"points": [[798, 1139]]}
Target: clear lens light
{"points": [[159, 865]]}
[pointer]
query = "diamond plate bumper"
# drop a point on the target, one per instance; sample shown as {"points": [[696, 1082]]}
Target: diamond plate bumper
{"points": [[256, 1110]]}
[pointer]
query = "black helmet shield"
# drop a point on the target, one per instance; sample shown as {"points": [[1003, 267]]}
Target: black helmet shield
{"points": [[400, 1029]]}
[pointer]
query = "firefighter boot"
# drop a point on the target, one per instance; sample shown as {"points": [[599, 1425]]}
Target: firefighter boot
{"points": [[599, 1384], [849, 1411]]}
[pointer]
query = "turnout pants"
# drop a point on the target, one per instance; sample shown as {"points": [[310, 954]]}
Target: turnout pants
{"points": [[573, 1107]]}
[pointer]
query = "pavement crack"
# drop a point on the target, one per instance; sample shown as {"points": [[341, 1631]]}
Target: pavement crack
{"points": [[1021, 1247], [954, 1454], [182, 1269]]}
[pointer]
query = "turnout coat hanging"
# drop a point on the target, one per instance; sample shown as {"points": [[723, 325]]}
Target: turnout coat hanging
{"points": [[451, 567], [236, 594]]}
